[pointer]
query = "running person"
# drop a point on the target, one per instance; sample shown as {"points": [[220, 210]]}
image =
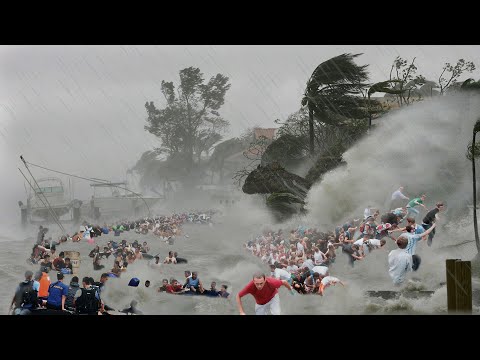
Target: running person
{"points": [[278, 273], [412, 243], [397, 197], [414, 202], [399, 262], [430, 219], [265, 292], [328, 281]]}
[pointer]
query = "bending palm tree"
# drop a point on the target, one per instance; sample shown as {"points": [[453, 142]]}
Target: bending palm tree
{"points": [[330, 89], [474, 149]]}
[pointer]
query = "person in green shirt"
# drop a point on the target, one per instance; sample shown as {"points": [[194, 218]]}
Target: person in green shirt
{"points": [[414, 202]]}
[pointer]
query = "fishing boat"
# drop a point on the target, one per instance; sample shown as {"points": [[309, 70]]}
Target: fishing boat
{"points": [[48, 200], [111, 199]]}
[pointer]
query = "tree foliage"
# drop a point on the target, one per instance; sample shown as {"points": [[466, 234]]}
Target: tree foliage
{"points": [[189, 123], [331, 88], [284, 205], [330, 93], [407, 80], [451, 73], [385, 87], [154, 169], [287, 150]]}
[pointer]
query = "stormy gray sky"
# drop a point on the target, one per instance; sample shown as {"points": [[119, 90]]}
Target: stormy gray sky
{"points": [[81, 108]]}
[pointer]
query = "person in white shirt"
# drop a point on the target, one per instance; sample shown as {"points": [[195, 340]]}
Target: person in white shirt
{"points": [[308, 263], [398, 198], [376, 243], [155, 262], [328, 281], [367, 245], [292, 268], [300, 246], [362, 243], [281, 274], [318, 256], [399, 262], [267, 257], [321, 270], [397, 195]]}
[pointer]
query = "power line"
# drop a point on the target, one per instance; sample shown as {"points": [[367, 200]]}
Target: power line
{"points": [[95, 181], [52, 212], [49, 208]]}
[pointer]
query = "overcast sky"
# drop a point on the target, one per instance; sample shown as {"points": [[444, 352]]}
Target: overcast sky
{"points": [[81, 108]]}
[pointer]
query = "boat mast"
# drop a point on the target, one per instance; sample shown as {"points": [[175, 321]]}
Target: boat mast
{"points": [[104, 182], [54, 215]]}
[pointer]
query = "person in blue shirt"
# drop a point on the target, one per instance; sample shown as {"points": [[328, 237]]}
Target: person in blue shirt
{"points": [[194, 284], [412, 243], [57, 294], [418, 228]]}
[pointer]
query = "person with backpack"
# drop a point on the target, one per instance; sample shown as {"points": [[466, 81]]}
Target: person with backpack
{"points": [[57, 294], [368, 227], [87, 300], [25, 298], [72, 290]]}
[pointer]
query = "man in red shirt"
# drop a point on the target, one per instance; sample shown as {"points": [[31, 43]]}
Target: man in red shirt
{"points": [[265, 292], [59, 262]]}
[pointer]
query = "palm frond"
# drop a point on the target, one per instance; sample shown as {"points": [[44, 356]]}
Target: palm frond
{"points": [[385, 87], [337, 70], [345, 105], [476, 128]]}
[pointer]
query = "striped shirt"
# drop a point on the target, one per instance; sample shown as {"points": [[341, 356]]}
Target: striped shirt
{"points": [[412, 242]]}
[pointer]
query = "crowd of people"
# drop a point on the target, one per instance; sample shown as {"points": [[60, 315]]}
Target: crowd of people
{"points": [[192, 286], [303, 257], [300, 260], [38, 292]]}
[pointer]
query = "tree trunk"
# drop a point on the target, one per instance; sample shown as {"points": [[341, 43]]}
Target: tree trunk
{"points": [[475, 225], [369, 115], [310, 129]]}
